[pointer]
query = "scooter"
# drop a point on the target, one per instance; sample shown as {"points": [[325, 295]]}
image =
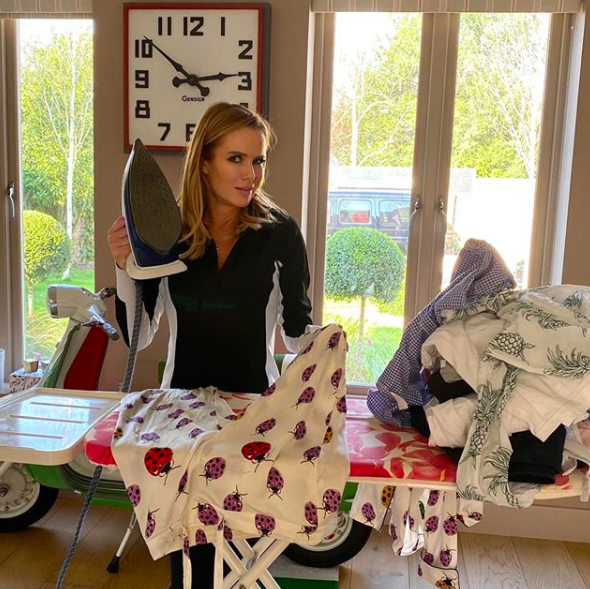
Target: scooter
{"points": [[28, 492]]}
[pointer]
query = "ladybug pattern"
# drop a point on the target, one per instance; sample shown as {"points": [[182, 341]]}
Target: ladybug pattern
{"points": [[256, 452], [207, 514], [265, 524], [150, 437], [212, 468], [233, 501], [159, 461], [275, 483], [331, 501], [182, 485], [387, 495], [150, 526], [134, 494], [311, 515], [299, 431], [417, 520], [312, 454], [336, 378], [306, 396], [265, 426]]}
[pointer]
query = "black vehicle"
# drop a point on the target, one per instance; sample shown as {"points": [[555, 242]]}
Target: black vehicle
{"points": [[384, 209]]}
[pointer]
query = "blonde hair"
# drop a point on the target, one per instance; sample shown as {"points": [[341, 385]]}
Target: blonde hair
{"points": [[218, 121]]}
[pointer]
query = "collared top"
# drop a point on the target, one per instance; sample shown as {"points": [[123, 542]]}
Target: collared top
{"points": [[222, 321]]}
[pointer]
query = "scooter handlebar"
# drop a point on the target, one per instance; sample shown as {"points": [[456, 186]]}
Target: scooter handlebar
{"points": [[110, 330]]}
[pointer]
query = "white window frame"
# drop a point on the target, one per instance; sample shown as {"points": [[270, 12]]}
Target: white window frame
{"points": [[11, 273], [12, 295], [439, 47]]}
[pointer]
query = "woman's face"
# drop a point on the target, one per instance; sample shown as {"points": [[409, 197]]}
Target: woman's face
{"points": [[236, 167]]}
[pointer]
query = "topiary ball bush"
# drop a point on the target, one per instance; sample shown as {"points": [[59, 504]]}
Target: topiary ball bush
{"points": [[47, 247], [361, 261]]}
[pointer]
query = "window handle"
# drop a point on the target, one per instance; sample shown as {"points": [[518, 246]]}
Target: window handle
{"points": [[10, 195], [441, 210], [417, 209]]}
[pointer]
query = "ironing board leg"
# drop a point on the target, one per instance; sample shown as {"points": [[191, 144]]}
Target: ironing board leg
{"points": [[266, 552], [237, 565], [113, 566]]}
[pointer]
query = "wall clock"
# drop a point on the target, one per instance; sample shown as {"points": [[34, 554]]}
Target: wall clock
{"points": [[181, 58]]}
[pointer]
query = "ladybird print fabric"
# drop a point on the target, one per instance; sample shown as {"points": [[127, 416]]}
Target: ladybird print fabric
{"points": [[194, 470], [417, 520]]}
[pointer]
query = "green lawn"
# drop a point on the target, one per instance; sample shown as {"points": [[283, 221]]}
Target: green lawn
{"points": [[365, 362], [42, 332], [78, 277], [368, 355]]}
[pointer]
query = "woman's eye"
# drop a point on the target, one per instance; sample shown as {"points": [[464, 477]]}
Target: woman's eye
{"points": [[235, 158], [260, 162]]}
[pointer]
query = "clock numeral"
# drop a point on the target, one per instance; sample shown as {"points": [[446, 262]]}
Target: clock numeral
{"points": [[245, 104], [164, 26], [142, 109], [143, 48], [190, 127], [245, 53], [246, 81], [142, 79], [167, 127], [223, 26], [187, 21]]}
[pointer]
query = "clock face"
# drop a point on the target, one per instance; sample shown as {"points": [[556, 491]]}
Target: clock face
{"points": [[180, 59]]}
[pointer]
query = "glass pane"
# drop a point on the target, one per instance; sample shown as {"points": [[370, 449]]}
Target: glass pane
{"points": [[372, 146], [56, 111], [499, 99]]}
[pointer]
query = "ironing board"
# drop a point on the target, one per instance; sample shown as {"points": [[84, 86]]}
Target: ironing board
{"points": [[378, 452]]}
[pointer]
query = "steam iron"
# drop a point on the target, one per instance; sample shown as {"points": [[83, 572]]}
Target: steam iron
{"points": [[152, 218]]}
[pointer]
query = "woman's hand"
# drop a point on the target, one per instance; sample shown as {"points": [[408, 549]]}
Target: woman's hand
{"points": [[118, 241]]}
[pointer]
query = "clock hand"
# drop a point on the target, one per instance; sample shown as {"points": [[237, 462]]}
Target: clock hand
{"points": [[220, 76], [190, 78]]}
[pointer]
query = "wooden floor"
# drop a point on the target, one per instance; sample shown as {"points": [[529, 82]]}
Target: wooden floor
{"points": [[31, 559]]}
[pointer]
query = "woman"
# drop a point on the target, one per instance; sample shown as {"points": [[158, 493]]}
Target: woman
{"points": [[246, 272]]}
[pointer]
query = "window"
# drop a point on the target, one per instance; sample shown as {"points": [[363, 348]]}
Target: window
{"points": [[49, 98], [354, 212], [444, 114], [55, 89]]}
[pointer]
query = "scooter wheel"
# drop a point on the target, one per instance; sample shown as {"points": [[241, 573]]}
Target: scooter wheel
{"points": [[23, 501], [344, 542]]}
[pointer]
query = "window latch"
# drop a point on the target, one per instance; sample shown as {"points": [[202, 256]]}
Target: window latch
{"points": [[10, 195]]}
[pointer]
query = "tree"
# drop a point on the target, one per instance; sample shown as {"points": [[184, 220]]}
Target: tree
{"points": [[363, 262], [47, 249], [498, 103], [374, 116], [57, 133], [497, 110]]}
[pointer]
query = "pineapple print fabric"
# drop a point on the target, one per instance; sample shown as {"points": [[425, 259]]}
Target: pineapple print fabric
{"points": [[544, 339], [196, 472], [417, 520]]}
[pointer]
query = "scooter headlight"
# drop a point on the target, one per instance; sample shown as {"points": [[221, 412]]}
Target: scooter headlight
{"points": [[52, 305]]}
